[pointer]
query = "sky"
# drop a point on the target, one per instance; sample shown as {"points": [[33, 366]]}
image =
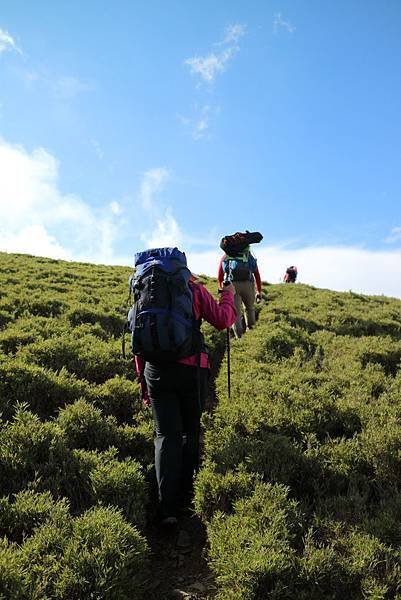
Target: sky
{"points": [[131, 125]]}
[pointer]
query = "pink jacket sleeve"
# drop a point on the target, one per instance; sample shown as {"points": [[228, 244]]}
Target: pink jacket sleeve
{"points": [[220, 314]]}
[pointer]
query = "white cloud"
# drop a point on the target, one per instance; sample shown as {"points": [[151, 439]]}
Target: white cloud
{"points": [[202, 124], [338, 268], [234, 33], [7, 42], [166, 233], [153, 182], [98, 149], [36, 217], [158, 231], [199, 124], [207, 67], [33, 239], [395, 236], [280, 22], [67, 88], [115, 208]]}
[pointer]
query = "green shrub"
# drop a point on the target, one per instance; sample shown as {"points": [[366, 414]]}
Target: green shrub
{"points": [[106, 558], [219, 492], [343, 562], [19, 518], [280, 341], [85, 427], [12, 584], [322, 573], [97, 555], [45, 307], [41, 558], [250, 550], [87, 357], [11, 340], [119, 397], [270, 455], [42, 390], [29, 329], [137, 440], [5, 318], [121, 484], [27, 447], [111, 323]]}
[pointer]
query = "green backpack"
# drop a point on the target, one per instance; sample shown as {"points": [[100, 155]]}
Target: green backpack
{"points": [[240, 267]]}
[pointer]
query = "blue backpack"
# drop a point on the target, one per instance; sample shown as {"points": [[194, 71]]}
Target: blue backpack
{"points": [[239, 267], [161, 319]]}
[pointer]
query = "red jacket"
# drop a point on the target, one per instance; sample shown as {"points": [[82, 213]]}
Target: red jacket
{"points": [[256, 274], [220, 314]]}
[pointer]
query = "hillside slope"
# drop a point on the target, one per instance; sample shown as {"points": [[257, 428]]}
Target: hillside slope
{"points": [[300, 484], [76, 443]]}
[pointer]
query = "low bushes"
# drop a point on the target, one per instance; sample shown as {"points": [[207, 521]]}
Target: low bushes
{"points": [[43, 390], [112, 323], [118, 397], [74, 436], [12, 582], [87, 357], [84, 426], [314, 407], [96, 555], [43, 457], [250, 550], [27, 511]]}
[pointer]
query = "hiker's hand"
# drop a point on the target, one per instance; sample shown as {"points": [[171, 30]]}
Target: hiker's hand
{"points": [[229, 288], [258, 298], [146, 399]]}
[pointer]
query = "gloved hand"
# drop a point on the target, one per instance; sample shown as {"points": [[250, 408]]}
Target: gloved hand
{"points": [[258, 298], [228, 287], [146, 399], [144, 390]]}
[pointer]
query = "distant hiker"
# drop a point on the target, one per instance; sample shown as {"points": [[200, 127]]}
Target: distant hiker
{"points": [[172, 363], [240, 267], [291, 275]]}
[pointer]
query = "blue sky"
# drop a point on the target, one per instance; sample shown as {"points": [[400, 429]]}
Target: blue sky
{"points": [[126, 125]]}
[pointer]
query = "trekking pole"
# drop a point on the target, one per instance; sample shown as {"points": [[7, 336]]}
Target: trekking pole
{"points": [[227, 282], [228, 363]]}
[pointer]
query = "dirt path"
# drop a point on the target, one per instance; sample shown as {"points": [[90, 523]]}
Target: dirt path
{"points": [[179, 567]]}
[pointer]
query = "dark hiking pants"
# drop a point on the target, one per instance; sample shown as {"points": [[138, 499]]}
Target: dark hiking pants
{"points": [[176, 407]]}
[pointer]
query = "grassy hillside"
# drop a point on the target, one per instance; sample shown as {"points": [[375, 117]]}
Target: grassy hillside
{"points": [[301, 480], [76, 443], [301, 485]]}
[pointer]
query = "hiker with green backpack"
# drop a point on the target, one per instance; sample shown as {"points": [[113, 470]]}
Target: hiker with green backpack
{"points": [[172, 364], [239, 266]]}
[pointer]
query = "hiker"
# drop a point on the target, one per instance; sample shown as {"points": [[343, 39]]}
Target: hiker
{"points": [[291, 275], [174, 374], [242, 270]]}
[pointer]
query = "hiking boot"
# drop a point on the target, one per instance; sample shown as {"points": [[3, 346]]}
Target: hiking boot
{"points": [[169, 521]]}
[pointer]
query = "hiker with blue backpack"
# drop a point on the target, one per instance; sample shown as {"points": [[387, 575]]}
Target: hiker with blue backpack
{"points": [[239, 266], [173, 365]]}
